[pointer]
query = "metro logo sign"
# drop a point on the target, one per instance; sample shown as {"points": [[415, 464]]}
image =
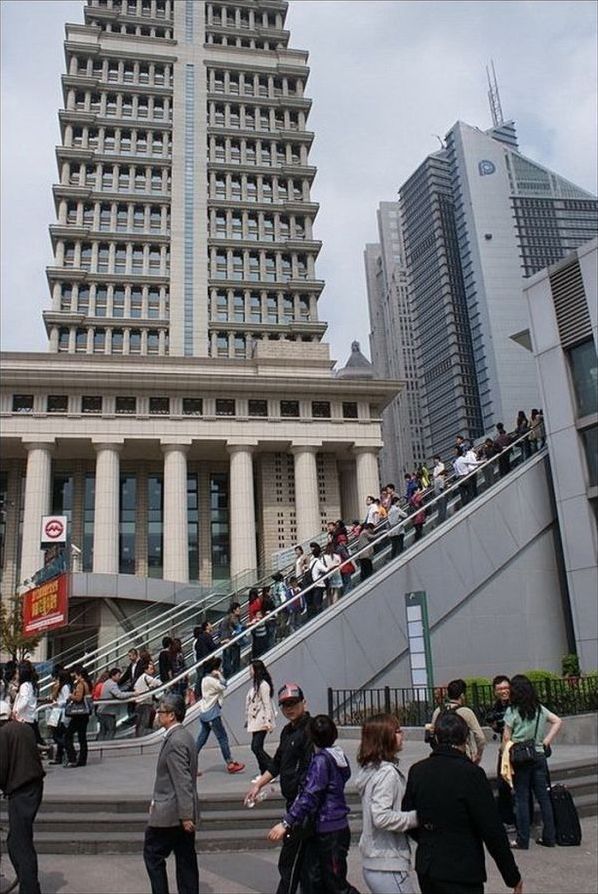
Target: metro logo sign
{"points": [[54, 529], [46, 607]]}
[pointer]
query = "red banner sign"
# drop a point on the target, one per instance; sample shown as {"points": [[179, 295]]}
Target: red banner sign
{"points": [[46, 607]]}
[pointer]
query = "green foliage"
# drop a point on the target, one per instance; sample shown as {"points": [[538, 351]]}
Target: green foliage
{"points": [[570, 665], [476, 681], [12, 637], [538, 675]]}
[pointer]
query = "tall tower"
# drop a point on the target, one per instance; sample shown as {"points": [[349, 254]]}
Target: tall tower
{"points": [[184, 219], [392, 344], [478, 218]]}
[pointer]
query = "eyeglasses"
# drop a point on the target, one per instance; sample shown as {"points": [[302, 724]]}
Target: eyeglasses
{"points": [[163, 711]]}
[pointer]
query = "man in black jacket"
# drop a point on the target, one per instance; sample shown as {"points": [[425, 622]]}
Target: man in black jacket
{"points": [[203, 646], [21, 780], [298, 862], [457, 816]]}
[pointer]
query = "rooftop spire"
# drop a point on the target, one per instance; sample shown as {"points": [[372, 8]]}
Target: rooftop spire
{"points": [[494, 96]]}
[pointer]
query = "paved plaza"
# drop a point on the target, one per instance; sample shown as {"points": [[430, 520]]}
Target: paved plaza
{"points": [[558, 871]]}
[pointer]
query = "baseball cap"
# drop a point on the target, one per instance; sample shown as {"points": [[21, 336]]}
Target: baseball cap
{"points": [[290, 691]]}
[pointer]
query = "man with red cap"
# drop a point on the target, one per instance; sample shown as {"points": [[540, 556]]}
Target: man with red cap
{"points": [[298, 863]]}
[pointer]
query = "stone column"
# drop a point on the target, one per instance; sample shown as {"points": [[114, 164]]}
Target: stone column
{"points": [[106, 512], [307, 502], [176, 544], [243, 550], [368, 479], [37, 503]]}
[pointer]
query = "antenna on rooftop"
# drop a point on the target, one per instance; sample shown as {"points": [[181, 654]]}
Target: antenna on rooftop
{"points": [[494, 96]]}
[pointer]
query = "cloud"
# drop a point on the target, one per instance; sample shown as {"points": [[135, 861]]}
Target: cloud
{"points": [[385, 77]]}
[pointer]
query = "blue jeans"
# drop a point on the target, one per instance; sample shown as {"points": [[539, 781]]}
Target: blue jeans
{"points": [[220, 733], [533, 778]]}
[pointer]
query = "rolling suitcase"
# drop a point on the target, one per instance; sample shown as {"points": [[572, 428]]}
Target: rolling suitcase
{"points": [[566, 820]]}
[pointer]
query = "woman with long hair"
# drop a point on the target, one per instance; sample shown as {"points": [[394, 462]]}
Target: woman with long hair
{"points": [[61, 689], [526, 719], [213, 687], [78, 722], [385, 853], [260, 717], [25, 704]]}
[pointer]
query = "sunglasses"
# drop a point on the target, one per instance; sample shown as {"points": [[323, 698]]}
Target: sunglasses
{"points": [[290, 703], [162, 711]]}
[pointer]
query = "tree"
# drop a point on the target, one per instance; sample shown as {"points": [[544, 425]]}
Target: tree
{"points": [[13, 640]]}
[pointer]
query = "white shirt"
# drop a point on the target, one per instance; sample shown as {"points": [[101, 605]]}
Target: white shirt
{"points": [[25, 703], [472, 461], [461, 467], [373, 515]]}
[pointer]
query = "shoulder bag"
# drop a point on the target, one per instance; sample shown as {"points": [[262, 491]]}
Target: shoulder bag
{"points": [[524, 754], [84, 708]]}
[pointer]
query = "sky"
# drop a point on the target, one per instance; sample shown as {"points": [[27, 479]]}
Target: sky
{"points": [[387, 76]]}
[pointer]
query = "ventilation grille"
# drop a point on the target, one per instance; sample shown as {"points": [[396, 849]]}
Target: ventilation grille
{"points": [[570, 305]]}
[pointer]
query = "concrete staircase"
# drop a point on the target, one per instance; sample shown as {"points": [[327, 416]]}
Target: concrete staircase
{"points": [[99, 825]]}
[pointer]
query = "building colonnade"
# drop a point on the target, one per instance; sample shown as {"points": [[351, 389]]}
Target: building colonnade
{"points": [[357, 478]]}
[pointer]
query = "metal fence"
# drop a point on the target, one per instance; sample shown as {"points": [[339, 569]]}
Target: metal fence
{"points": [[415, 706]]}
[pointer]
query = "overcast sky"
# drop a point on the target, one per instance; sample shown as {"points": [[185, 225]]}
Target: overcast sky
{"points": [[385, 77]]}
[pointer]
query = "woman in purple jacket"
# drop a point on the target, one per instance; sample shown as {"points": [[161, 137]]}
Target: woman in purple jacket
{"points": [[322, 802]]}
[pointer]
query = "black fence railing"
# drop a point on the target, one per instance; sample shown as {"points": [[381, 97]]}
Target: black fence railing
{"points": [[415, 706]]}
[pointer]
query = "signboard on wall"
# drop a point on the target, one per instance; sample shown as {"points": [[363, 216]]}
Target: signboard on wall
{"points": [[46, 607], [54, 529]]}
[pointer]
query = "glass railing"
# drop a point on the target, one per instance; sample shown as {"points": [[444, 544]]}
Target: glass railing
{"points": [[283, 622]]}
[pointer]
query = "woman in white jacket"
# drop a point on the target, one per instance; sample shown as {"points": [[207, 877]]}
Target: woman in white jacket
{"points": [[213, 687], [260, 717], [385, 852]]}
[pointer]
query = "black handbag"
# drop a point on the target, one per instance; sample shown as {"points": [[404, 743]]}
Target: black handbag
{"points": [[83, 708], [524, 754]]}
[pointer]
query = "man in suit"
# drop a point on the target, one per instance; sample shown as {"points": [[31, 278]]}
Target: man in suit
{"points": [[21, 781], [457, 816], [174, 811], [132, 671]]}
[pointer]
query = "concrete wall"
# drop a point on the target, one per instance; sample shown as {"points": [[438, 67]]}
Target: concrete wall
{"points": [[494, 602]]}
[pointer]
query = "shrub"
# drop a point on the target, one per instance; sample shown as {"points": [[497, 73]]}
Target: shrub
{"points": [[539, 675], [477, 681], [570, 665]]}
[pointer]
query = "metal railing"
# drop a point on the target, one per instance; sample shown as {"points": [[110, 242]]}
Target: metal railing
{"points": [[414, 706]]}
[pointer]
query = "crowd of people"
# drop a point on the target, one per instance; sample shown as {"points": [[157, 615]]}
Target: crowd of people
{"points": [[445, 804]]}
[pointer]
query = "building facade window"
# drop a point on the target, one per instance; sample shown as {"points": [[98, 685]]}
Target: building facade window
{"points": [[91, 403], [155, 526], [127, 524], [219, 526], [583, 362], [57, 403], [320, 409], [257, 407], [126, 406], [159, 406], [192, 406], [289, 408], [349, 410], [22, 403], [89, 502], [225, 406]]}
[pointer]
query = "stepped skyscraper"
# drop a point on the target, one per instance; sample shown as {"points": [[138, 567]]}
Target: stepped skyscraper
{"points": [[186, 419]]}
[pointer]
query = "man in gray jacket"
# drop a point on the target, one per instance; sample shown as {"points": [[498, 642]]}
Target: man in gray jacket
{"points": [[107, 712], [174, 811]]}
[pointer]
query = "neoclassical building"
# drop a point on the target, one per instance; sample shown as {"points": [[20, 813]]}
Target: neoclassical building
{"points": [[187, 417]]}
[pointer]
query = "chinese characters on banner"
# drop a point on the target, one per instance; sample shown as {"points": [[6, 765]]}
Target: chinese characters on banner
{"points": [[46, 607]]}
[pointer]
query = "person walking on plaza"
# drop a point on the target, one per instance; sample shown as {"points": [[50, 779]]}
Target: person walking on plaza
{"points": [[502, 442], [476, 740], [24, 708], [146, 713], [298, 863], [456, 816], [203, 646], [21, 781], [164, 666], [321, 801], [260, 717], [527, 719], [385, 852], [174, 809], [317, 568], [213, 687], [229, 627]]}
